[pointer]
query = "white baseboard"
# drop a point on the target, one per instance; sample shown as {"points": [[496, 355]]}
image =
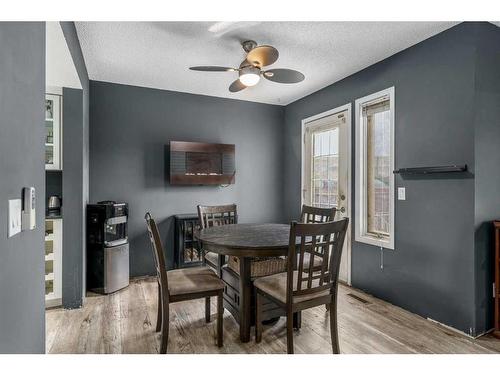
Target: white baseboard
{"points": [[458, 331]]}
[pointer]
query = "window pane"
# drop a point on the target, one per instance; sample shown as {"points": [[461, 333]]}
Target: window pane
{"points": [[378, 164], [325, 168]]}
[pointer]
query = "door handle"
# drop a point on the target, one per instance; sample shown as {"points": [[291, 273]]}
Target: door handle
{"points": [[341, 209]]}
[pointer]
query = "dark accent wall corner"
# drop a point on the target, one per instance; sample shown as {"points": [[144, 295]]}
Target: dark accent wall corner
{"points": [[437, 269], [130, 128], [75, 175], [22, 263]]}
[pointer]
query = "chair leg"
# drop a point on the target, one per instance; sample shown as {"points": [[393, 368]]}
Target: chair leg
{"points": [[333, 329], [220, 328], [158, 316], [258, 318], [289, 332], [164, 329], [297, 320], [327, 306], [207, 309]]}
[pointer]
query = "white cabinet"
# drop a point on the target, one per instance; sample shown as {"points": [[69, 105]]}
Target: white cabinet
{"points": [[53, 132], [53, 262]]}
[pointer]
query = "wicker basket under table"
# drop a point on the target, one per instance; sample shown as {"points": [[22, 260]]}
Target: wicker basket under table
{"points": [[260, 266]]}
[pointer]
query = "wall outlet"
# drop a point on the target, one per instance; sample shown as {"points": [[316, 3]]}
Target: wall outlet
{"points": [[14, 221], [401, 193]]}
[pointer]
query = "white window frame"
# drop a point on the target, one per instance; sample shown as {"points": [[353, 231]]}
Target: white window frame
{"points": [[361, 233]]}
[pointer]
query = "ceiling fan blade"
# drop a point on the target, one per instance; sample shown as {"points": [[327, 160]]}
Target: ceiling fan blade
{"points": [[283, 75], [262, 56], [213, 69], [237, 86]]}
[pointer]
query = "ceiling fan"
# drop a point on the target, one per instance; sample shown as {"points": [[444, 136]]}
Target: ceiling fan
{"points": [[251, 69]]}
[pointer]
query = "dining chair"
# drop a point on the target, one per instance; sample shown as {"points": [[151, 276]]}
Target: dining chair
{"points": [[182, 284], [296, 290], [210, 216]]}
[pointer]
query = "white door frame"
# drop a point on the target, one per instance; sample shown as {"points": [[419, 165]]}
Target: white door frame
{"points": [[347, 107]]}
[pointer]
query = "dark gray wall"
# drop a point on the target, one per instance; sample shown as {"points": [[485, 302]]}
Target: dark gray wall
{"points": [[22, 93], [431, 271], [129, 129], [75, 176], [72, 275], [487, 157]]}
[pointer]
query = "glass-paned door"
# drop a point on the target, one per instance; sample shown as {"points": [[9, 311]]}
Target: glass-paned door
{"points": [[325, 168]]}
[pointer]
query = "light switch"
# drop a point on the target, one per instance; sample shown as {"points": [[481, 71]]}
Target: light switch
{"points": [[14, 217], [401, 193]]}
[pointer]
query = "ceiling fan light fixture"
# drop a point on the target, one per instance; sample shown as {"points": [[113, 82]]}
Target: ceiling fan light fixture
{"points": [[250, 75]]}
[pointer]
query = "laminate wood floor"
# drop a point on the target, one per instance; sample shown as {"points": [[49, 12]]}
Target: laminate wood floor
{"points": [[124, 322]]}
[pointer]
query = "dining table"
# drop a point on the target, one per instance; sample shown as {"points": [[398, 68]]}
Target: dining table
{"points": [[245, 241]]}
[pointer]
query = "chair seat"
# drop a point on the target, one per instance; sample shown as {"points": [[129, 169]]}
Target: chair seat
{"points": [[193, 280], [275, 286], [212, 258], [318, 261]]}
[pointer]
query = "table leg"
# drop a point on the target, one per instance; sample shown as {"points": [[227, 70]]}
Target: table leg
{"points": [[245, 299], [220, 261]]}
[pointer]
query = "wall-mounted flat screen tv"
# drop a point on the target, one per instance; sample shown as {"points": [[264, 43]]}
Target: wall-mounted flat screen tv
{"points": [[196, 163]]}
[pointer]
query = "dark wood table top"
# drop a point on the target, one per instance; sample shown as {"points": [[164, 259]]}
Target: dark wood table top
{"points": [[250, 240]]}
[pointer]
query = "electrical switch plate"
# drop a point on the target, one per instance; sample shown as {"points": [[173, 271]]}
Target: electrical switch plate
{"points": [[14, 217], [401, 193]]}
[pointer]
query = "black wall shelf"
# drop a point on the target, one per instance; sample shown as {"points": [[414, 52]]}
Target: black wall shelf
{"points": [[429, 170]]}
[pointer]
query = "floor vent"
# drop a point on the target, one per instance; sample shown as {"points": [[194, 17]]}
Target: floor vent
{"points": [[362, 300]]}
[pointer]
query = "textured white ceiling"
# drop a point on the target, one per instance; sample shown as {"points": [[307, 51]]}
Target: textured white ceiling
{"points": [[158, 54]]}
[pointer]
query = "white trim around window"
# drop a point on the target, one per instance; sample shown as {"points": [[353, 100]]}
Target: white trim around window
{"points": [[361, 186]]}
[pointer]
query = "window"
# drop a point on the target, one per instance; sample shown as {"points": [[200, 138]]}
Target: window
{"points": [[374, 166], [325, 165]]}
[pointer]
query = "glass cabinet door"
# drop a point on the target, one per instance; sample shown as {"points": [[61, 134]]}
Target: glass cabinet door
{"points": [[192, 253], [52, 132]]}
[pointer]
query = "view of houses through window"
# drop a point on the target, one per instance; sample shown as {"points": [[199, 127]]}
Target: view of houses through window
{"points": [[325, 168]]}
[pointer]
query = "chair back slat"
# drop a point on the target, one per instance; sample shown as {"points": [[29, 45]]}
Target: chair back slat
{"points": [[302, 250], [318, 239], [210, 216], [158, 254], [311, 262]]}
